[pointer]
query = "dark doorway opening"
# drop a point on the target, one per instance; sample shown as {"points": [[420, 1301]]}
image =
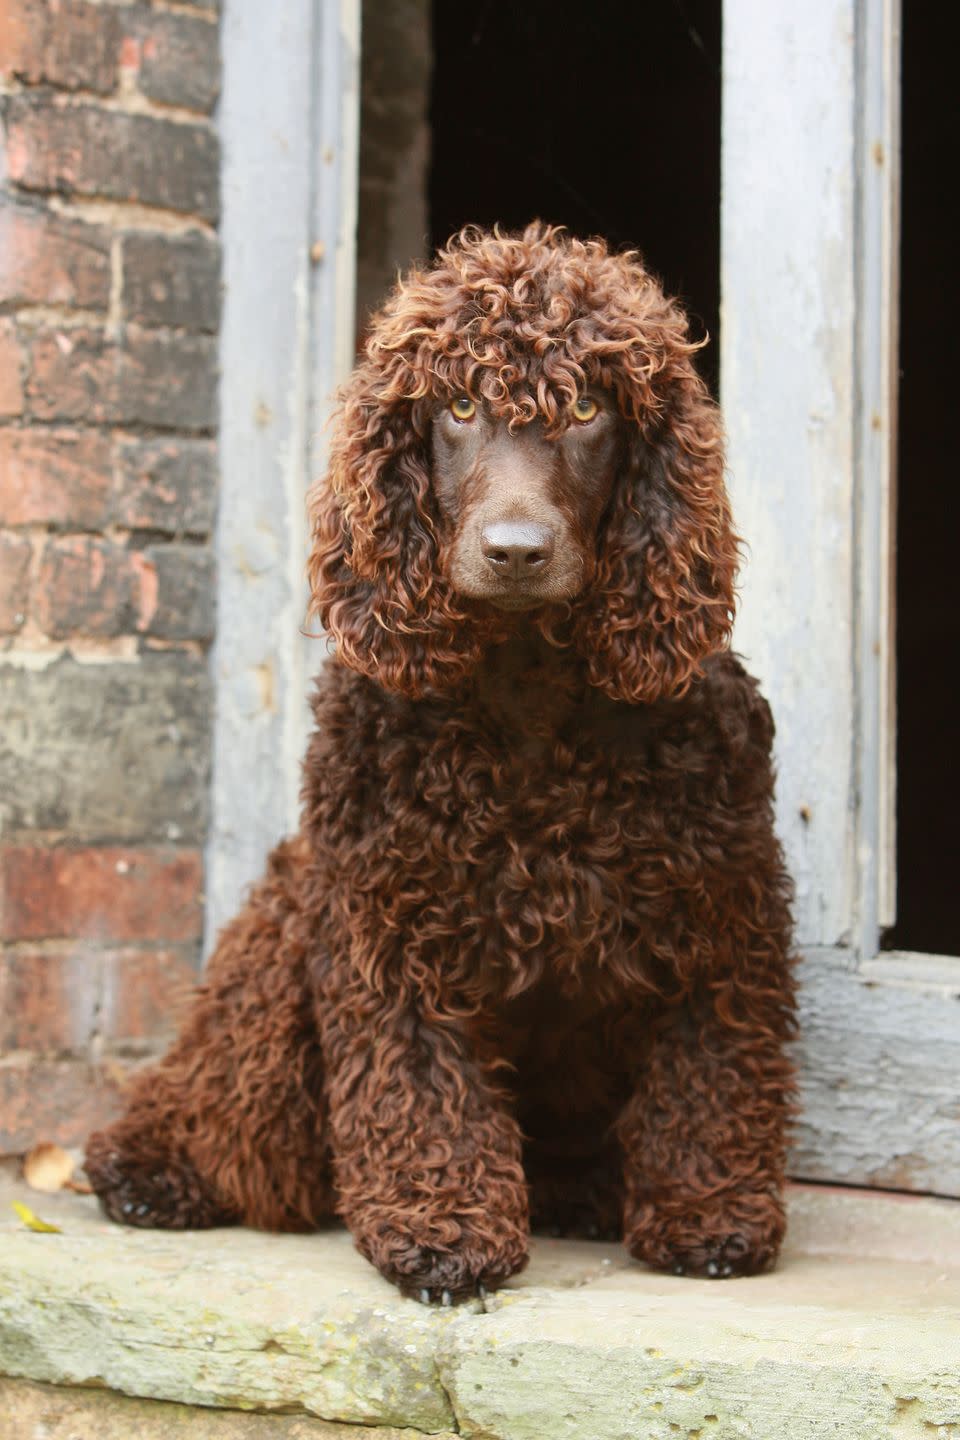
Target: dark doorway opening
{"points": [[928, 507], [605, 119]]}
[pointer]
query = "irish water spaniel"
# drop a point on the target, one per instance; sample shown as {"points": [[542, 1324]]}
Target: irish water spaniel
{"points": [[528, 961]]}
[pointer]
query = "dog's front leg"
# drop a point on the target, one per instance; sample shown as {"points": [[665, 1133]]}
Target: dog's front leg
{"points": [[427, 1155], [704, 1136]]}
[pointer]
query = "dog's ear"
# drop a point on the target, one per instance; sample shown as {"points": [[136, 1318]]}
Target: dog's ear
{"points": [[663, 596], [375, 580]]}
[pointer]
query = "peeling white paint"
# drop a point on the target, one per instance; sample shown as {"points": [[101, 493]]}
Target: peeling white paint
{"points": [[788, 397], [289, 93]]}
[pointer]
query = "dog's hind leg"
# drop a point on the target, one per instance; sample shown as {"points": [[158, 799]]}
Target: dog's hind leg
{"points": [[229, 1127]]}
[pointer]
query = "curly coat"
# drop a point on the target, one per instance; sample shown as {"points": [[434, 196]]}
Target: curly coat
{"points": [[528, 960]]}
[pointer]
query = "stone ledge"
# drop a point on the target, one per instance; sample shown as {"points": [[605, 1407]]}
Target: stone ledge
{"points": [[857, 1335], [49, 1412]]}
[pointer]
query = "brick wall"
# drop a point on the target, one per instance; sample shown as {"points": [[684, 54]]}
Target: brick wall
{"points": [[109, 309]]}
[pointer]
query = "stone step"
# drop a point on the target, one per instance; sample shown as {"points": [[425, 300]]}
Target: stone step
{"points": [[857, 1334]]}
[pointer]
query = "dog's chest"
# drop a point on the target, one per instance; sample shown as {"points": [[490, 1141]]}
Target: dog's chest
{"points": [[567, 848], [563, 849]]}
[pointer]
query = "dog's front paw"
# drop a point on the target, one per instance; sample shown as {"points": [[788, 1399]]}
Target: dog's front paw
{"points": [[445, 1277], [715, 1239], [477, 1261], [722, 1258]]}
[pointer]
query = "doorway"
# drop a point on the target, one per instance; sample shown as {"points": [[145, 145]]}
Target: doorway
{"points": [[603, 119], [928, 508], [607, 122]]}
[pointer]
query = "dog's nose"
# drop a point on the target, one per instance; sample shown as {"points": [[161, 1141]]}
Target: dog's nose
{"points": [[517, 550]]}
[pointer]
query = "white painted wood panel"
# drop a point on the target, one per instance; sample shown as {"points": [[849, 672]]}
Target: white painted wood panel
{"points": [[787, 367], [288, 126], [880, 1077]]}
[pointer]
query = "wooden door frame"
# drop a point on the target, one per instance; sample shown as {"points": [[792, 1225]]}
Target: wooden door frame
{"points": [[288, 122], [808, 374]]}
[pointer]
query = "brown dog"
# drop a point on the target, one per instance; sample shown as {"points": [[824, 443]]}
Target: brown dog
{"points": [[529, 957]]}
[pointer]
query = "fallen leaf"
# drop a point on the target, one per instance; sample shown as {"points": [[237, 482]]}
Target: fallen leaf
{"points": [[33, 1222], [47, 1167], [116, 1074]]}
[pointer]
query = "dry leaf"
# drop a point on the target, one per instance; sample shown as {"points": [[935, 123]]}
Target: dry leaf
{"points": [[116, 1074], [47, 1167], [33, 1222], [79, 1187]]}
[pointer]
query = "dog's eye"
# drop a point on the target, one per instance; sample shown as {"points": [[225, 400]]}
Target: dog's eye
{"points": [[584, 409], [463, 408]]}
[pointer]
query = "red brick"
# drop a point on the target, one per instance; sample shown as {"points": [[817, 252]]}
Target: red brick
{"points": [[167, 484], [57, 1100], [86, 150], [15, 551], [91, 586], [47, 261], [107, 894], [184, 593], [172, 280], [74, 375], [145, 993], [55, 1001], [15, 37], [33, 1003], [174, 57], [152, 378], [49, 1001], [169, 381], [70, 44], [11, 371], [54, 477]]}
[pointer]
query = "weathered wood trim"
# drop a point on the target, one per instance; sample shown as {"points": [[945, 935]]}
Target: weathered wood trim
{"points": [[877, 160], [937, 974], [288, 125], [787, 367], [879, 1059]]}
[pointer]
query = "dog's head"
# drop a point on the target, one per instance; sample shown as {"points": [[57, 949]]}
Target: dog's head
{"points": [[526, 433]]}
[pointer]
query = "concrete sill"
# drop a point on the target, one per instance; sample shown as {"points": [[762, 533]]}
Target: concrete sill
{"points": [[856, 1335]]}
